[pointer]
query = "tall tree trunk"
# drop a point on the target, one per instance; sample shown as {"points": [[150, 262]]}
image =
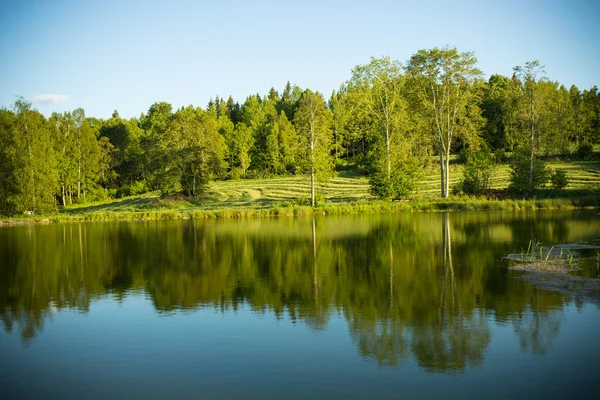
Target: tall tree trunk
{"points": [[387, 149], [531, 150], [194, 187], [335, 146], [312, 165], [79, 179], [442, 169], [312, 185], [447, 174]]}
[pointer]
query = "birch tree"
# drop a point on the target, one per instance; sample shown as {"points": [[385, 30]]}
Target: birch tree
{"points": [[378, 87], [534, 96], [35, 171], [444, 82], [313, 123]]}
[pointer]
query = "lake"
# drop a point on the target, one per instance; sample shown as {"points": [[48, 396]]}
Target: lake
{"points": [[372, 306]]}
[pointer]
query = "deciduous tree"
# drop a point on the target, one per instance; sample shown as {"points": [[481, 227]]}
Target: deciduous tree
{"points": [[445, 83], [313, 122]]}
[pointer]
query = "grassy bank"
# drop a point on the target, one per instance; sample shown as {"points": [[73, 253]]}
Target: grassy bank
{"points": [[344, 194]]}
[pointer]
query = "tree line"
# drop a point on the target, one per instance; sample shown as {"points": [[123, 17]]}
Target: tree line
{"points": [[389, 121]]}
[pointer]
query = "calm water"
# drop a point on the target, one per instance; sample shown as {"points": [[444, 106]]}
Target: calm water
{"points": [[399, 306]]}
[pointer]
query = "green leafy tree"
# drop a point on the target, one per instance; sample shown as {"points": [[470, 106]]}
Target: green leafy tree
{"points": [[526, 178], [500, 110], [244, 141], [591, 115], [226, 130], [8, 182], [289, 100], [559, 178], [33, 161], [154, 125], [234, 111], [534, 97], [478, 171], [379, 86], [313, 122], [558, 127], [64, 140], [93, 166], [445, 83], [192, 152], [576, 98], [130, 159], [338, 107], [289, 144], [255, 118]]}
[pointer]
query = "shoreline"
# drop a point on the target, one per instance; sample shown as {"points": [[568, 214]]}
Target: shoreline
{"points": [[342, 208], [552, 269], [561, 281]]}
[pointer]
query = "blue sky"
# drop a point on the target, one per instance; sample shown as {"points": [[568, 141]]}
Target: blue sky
{"points": [[126, 55]]}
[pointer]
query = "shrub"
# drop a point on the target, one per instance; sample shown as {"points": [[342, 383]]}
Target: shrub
{"points": [[401, 183], [519, 173], [500, 156], [559, 178], [463, 155], [585, 151], [123, 191], [237, 173], [138, 187], [478, 170]]}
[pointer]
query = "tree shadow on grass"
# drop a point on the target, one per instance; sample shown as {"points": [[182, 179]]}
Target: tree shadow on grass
{"points": [[122, 205]]}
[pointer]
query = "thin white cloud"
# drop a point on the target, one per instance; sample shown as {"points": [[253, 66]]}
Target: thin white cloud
{"points": [[49, 99]]}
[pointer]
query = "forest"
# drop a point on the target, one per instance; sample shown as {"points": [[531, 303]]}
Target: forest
{"points": [[389, 121]]}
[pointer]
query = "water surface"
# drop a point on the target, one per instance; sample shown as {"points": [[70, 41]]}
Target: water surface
{"points": [[408, 305]]}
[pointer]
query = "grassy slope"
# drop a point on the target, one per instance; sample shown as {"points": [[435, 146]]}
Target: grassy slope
{"points": [[342, 194]]}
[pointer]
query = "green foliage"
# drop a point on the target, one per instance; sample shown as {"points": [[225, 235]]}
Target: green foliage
{"points": [[500, 156], [446, 86], [29, 174], [500, 109], [8, 183], [133, 189], [478, 171], [400, 184], [585, 151], [559, 178], [520, 173], [313, 121], [190, 152]]}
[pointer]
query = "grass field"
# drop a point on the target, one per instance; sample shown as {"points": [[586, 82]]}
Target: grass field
{"points": [[347, 193]]}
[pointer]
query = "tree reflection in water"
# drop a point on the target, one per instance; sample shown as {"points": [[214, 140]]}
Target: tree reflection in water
{"points": [[406, 291]]}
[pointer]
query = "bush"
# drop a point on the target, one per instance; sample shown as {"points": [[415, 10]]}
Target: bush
{"points": [[585, 151], [559, 179], [236, 173], [500, 156], [463, 155], [138, 187], [401, 183], [123, 191], [478, 170], [519, 173]]}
